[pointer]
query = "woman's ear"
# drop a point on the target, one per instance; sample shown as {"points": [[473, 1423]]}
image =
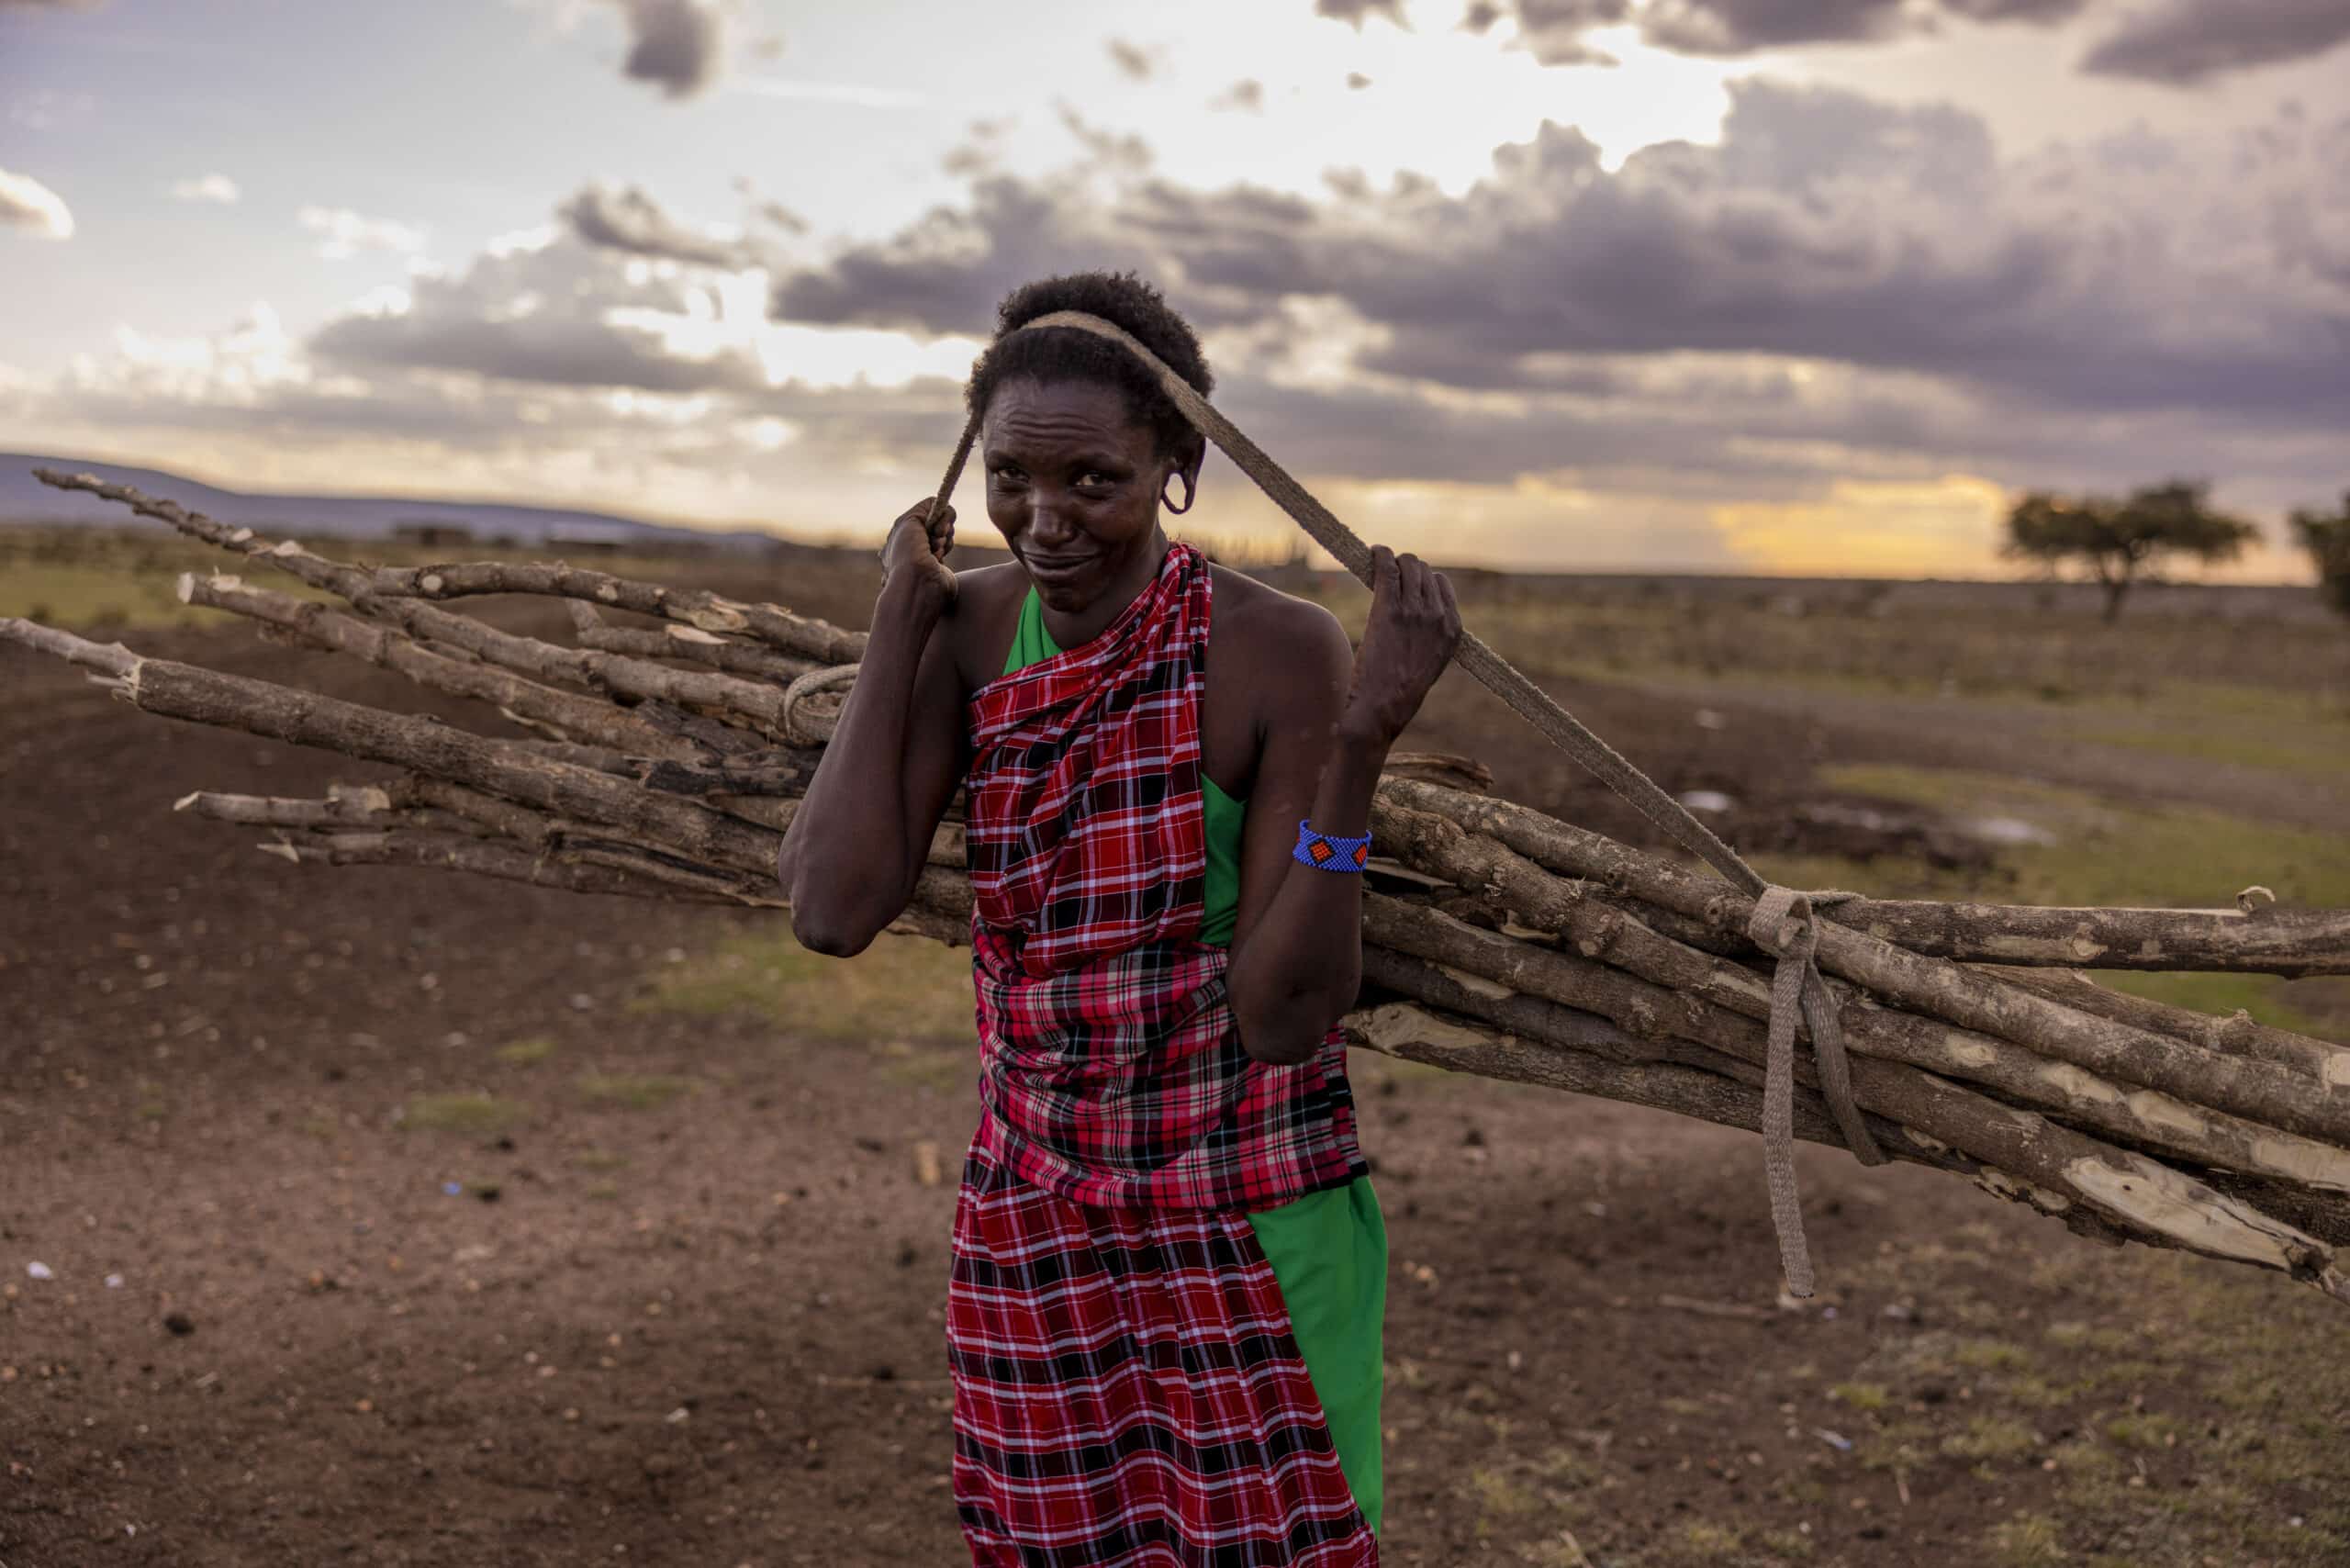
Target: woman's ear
{"points": [[1188, 459]]}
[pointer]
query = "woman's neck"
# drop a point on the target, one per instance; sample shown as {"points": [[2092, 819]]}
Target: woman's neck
{"points": [[1069, 628]]}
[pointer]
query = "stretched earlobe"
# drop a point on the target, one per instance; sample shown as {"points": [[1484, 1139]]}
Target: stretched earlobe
{"points": [[1191, 492]]}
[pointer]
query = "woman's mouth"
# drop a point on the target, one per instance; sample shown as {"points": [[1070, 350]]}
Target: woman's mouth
{"points": [[1059, 567]]}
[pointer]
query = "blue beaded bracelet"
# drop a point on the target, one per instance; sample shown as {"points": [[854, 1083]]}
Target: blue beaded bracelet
{"points": [[1325, 853]]}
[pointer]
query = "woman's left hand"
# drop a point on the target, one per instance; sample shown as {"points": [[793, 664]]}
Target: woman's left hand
{"points": [[1415, 626]]}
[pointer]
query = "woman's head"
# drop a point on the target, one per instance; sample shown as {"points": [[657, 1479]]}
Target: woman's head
{"points": [[1076, 438]]}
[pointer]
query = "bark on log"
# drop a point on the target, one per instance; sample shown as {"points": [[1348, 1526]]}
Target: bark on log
{"points": [[581, 718], [681, 642], [2027, 1153], [1654, 986], [2237, 1035], [779, 628], [2267, 941], [2258, 1091]]}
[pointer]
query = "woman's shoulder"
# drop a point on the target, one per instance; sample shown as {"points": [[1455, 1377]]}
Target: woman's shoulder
{"points": [[1258, 610], [987, 606], [1281, 640]]}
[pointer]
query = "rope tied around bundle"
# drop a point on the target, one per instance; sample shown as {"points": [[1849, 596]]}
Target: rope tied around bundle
{"points": [[798, 727], [1785, 927], [1797, 988]]}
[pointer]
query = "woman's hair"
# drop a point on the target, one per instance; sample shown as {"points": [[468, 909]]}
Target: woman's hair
{"points": [[1068, 353]]}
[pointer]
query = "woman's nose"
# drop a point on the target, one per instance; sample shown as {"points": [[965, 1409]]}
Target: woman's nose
{"points": [[1048, 524]]}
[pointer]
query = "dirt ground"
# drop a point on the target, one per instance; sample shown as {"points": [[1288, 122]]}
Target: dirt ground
{"points": [[380, 1219]]}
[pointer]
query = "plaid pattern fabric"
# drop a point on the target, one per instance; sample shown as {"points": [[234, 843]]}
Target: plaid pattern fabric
{"points": [[1128, 1391], [1111, 1072]]}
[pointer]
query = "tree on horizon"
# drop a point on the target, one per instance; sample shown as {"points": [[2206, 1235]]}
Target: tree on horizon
{"points": [[2327, 539], [2124, 542]]}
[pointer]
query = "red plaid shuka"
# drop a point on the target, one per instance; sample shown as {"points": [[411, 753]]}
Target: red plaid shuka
{"points": [[1127, 1390], [1110, 1069], [1128, 1393]]}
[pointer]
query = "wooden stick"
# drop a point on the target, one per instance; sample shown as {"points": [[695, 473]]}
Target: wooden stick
{"points": [[710, 612], [2257, 1091], [2236, 1036], [2025, 1155], [593, 720], [681, 642], [1654, 986], [2270, 941]]}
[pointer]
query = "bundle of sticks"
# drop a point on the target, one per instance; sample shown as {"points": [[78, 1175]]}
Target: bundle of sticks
{"points": [[663, 752]]}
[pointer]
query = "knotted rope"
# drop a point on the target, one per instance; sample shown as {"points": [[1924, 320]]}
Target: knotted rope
{"points": [[1796, 987]]}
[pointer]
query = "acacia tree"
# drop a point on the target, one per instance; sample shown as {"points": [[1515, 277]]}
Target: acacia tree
{"points": [[2327, 539], [2122, 542]]}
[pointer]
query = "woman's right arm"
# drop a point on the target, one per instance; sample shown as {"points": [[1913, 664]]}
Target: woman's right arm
{"points": [[856, 845]]}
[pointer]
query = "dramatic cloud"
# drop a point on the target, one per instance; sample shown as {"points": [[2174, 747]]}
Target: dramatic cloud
{"points": [[560, 312], [342, 232], [1553, 29], [782, 217], [945, 274], [25, 203], [631, 220], [1355, 11], [679, 45], [1134, 62], [1247, 93], [1841, 288], [211, 187], [2185, 41]]}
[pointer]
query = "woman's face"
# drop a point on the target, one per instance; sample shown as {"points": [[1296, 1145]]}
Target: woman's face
{"points": [[1073, 484]]}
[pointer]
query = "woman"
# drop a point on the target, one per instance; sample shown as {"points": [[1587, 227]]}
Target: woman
{"points": [[1168, 1266]]}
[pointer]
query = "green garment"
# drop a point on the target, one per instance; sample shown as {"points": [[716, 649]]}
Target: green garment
{"points": [[1329, 1250], [1220, 899]]}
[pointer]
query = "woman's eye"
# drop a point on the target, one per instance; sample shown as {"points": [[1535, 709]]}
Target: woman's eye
{"points": [[1093, 478]]}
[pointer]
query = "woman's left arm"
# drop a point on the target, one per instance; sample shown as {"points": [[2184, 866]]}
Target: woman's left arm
{"points": [[1297, 948]]}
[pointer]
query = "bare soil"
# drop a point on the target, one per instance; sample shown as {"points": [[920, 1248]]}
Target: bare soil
{"points": [[705, 1328]]}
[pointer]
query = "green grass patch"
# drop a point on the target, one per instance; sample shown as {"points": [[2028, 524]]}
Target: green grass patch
{"points": [[934, 1067], [2321, 752], [2113, 855], [1991, 1355], [902, 988], [1703, 1542], [2027, 1540], [1991, 1439], [475, 1114], [1868, 1397], [2104, 853], [1497, 1494], [634, 1090], [2010, 653], [599, 1161], [2140, 1430], [93, 596], [526, 1053]]}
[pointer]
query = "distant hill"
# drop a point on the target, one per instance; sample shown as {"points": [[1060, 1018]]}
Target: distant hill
{"points": [[24, 499]]}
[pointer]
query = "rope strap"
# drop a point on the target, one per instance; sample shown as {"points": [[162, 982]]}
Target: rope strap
{"points": [[823, 680], [1801, 980], [1782, 924]]}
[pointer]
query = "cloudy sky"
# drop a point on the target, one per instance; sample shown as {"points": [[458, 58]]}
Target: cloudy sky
{"points": [[1710, 285]]}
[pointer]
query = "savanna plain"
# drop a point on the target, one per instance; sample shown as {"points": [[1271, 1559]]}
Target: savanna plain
{"points": [[384, 1216]]}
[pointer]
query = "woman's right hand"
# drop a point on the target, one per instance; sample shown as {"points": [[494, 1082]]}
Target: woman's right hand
{"points": [[1415, 626], [915, 552]]}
